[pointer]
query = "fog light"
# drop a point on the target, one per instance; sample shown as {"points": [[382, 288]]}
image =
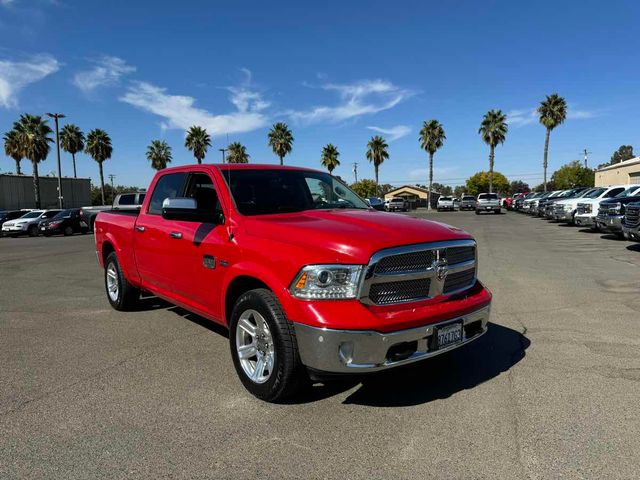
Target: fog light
{"points": [[346, 352]]}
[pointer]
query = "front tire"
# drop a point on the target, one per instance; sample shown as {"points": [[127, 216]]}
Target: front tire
{"points": [[121, 294], [68, 231], [33, 231], [264, 347]]}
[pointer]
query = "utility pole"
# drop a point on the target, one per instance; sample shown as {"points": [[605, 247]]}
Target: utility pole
{"points": [[223, 150], [586, 158], [113, 190], [355, 170], [55, 117]]}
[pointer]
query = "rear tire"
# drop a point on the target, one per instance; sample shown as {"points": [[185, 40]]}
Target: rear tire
{"points": [[477, 212], [121, 294], [281, 373]]}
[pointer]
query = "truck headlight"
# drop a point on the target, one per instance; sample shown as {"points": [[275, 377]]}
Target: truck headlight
{"points": [[618, 208], [327, 282]]}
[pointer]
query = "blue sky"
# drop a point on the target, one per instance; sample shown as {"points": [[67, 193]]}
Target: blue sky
{"points": [[336, 72]]}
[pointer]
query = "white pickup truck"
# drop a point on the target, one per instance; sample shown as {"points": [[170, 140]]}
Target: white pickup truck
{"points": [[446, 203], [488, 202], [587, 206]]}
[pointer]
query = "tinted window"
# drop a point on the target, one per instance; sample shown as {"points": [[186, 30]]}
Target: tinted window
{"points": [[260, 192], [141, 198], [488, 196], [446, 199], [200, 187], [63, 214], [468, 198], [50, 213], [168, 186], [127, 199]]}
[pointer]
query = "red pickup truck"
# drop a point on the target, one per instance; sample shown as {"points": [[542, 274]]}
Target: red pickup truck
{"points": [[307, 277]]}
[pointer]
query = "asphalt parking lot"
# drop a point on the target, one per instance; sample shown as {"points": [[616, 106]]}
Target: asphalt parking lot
{"points": [[551, 391]]}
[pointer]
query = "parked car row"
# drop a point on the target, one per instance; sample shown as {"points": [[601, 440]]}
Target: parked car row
{"points": [[614, 209], [42, 222]]}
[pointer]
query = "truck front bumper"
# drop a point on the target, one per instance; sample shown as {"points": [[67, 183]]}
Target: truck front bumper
{"points": [[585, 220], [354, 351], [631, 233], [610, 223]]}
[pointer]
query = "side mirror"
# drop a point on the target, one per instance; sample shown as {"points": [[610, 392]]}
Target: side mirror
{"points": [[186, 210]]}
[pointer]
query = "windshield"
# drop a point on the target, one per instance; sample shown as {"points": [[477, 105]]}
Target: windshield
{"points": [[488, 196], [50, 213], [62, 214], [263, 192], [629, 192], [596, 192], [31, 215]]}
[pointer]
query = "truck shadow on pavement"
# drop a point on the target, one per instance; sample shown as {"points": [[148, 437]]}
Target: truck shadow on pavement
{"points": [[442, 376]]}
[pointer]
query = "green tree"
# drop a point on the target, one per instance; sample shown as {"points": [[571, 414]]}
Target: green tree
{"points": [[329, 157], [572, 175], [13, 148], [459, 191], [385, 188], [99, 147], [550, 185], [72, 141], [493, 130], [197, 142], [237, 153], [365, 188], [479, 183], [518, 186], [431, 138], [280, 140], [377, 153], [442, 189], [625, 152], [159, 154], [34, 138], [552, 112]]}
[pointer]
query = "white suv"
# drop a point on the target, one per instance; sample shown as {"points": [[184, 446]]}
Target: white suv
{"points": [[28, 223], [395, 204], [446, 203]]}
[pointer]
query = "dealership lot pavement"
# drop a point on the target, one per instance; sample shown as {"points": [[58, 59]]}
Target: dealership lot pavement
{"points": [[552, 390]]}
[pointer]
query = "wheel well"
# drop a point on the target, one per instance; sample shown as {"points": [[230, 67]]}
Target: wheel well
{"points": [[107, 248], [237, 287]]}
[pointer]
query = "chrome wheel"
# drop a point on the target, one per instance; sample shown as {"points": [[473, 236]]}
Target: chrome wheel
{"points": [[254, 346], [113, 286]]}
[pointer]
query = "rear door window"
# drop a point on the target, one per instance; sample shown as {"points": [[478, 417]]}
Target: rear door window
{"points": [[127, 199], [170, 185], [613, 192]]}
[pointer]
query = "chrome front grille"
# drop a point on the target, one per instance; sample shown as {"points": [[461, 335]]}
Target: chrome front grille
{"points": [[558, 207], [419, 272], [632, 217], [582, 208]]}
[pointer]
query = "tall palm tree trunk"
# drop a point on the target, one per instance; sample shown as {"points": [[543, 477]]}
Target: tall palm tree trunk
{"points": [[281, 160], [102, 183], [430, 181], [377, 185], [199, 160], [491, 156], [73, 156], [18, 170], [546, 153], [36, 183]]}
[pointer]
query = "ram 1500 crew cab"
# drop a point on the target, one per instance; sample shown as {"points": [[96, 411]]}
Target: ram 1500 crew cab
{"points": [[306, 276]]}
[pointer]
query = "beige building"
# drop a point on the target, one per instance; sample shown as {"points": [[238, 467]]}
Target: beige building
{"points": [[619, 174], [416, 196]]}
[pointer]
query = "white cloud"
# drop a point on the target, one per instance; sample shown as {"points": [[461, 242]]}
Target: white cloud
{"points": [[107, 71], [361, 98], [519, 118], [180, 112], [15, 76], [393, 133]]}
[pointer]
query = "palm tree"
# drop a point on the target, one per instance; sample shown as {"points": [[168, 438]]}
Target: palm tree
{"points": [[100, 149], [33, 137], [431, 138], [329, 158], [552, 112], [493, 130], [237, 153], [377, 153], [197, 141], [72, 141], [159, 154], [13, 149], [280, 140]]}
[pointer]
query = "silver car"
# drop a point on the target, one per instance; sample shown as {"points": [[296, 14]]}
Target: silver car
{"points": [[28, 223]]}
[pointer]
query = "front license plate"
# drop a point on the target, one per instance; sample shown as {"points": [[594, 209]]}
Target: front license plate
{"points": [[449, 335], [488, 208]]}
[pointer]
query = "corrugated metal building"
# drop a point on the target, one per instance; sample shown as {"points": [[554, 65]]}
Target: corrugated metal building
{"points": [[16, 191]]}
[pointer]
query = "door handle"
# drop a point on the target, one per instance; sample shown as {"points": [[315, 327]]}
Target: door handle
{"points": [[175, 235], [140, 228]]}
